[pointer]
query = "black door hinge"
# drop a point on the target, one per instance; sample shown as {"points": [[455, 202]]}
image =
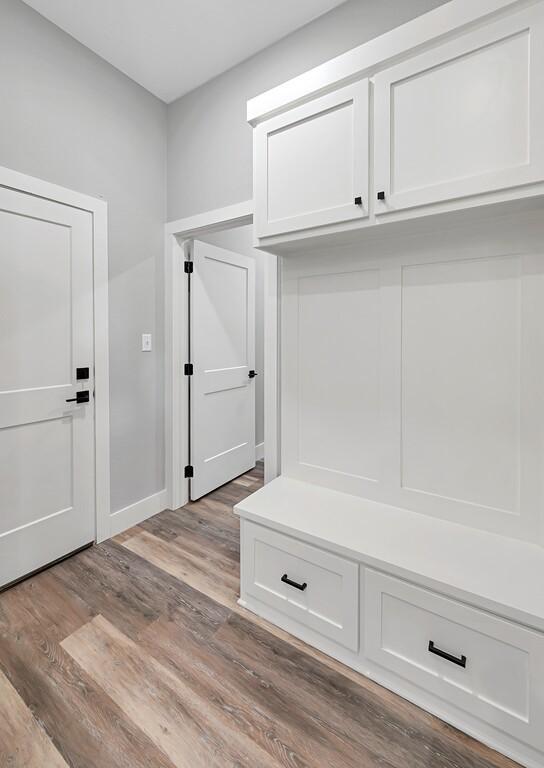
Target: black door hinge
{"points": [[188, 369], [188, 267], [189, 471]]}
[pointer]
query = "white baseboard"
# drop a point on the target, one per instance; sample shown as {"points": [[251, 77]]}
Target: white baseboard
{"points": [[259, 452], [137, 512]]}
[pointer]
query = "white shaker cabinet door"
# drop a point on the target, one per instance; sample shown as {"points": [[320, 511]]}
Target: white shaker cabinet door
{"points": [[463, 119], [311, 163]]}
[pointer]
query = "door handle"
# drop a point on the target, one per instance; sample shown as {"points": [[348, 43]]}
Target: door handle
{"points": [[252, 374], [81, 397]]}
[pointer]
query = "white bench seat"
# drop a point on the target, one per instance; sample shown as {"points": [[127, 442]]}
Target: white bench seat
{"points": [[503, 575]]}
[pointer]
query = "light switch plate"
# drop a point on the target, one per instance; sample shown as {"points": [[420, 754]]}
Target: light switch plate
{"points": [[146, 342]]}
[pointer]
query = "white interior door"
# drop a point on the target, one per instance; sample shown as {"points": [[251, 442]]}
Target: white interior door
{"points": [[47, 505], [222, 350]]}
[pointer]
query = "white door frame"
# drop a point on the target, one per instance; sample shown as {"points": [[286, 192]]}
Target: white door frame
{"points": [[20, 182], [177, 233]]}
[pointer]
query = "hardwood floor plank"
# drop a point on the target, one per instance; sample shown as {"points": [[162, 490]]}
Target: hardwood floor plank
{"points": [[163, 706], [23, 743], [87, 728], [128, 534], [242, 482], [285, 731], [44, 599], [221, 582], [131, 592], [208, 526]]}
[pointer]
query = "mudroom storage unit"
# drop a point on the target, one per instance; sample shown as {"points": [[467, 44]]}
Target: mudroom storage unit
{"points": [[403, 186], [454, 110]]}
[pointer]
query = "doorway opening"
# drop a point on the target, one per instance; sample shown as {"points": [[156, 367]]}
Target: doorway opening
{"points": [[225, 341], [222, 346]]}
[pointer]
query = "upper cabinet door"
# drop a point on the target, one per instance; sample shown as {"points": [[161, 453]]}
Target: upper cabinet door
{"points": [[463, 119], [311, 163]]}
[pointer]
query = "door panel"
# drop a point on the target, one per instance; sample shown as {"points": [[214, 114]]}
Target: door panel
{"points": [[47, 450], [312, 162], [36, 309], [222, 395], [464, 118], [47, 504]]}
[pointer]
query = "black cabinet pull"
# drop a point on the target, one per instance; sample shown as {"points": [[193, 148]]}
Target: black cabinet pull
{"points": [[81, 397], [381, 195], [287, 580], [252, 374], [358, 200], [461, 662]]}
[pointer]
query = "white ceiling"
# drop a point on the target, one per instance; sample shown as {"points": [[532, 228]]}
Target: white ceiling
{"points": [[173, 46]]}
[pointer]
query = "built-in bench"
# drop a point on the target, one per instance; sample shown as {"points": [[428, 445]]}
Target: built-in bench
{"points": [[450, 617]]}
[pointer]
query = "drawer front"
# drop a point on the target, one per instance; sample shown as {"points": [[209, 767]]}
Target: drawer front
{"points": [[478, 662], [314, 587]]}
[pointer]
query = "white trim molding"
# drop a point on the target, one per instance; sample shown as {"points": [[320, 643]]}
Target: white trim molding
{"points": [[99, 210], [176, 394], [221, 218], [138, 512], [447, 20]]}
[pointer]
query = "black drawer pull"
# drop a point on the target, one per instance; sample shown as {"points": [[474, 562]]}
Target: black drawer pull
{"points": [[461, 662], [287, 580]]}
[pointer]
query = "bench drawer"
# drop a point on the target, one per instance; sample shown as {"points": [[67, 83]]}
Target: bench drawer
{"points": [[483, 664], [312, 586]]}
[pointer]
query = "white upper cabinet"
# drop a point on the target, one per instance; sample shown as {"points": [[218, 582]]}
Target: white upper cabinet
{"points": [[450, 107], [311, 163], [464, 118]]}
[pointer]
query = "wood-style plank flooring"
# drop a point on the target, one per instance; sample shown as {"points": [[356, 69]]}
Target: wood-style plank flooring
{"points": [[134, 654]]}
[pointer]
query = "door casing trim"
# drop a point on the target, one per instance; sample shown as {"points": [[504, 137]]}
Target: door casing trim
{"points": [[98, 208]]}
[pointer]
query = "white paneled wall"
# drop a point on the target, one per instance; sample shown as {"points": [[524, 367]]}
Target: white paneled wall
{"points": [[340, 433], [461, 379], [411, 372]]}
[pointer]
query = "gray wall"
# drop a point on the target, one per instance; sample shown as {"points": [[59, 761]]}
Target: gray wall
{"points": [[209, 140], [70, 118], [240, 240]]}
